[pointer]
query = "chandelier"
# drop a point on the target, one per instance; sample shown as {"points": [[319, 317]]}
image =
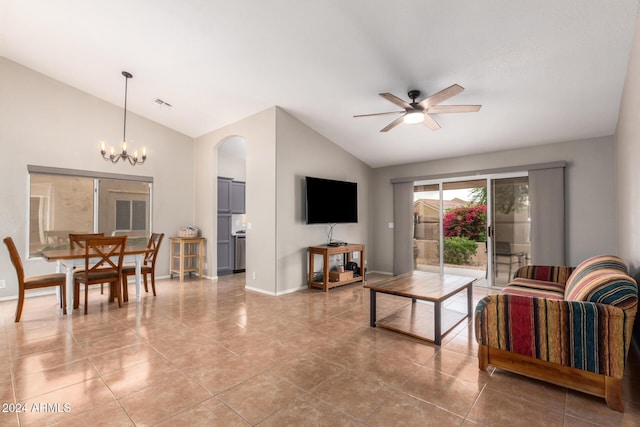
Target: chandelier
{"points": [[124, 155]]}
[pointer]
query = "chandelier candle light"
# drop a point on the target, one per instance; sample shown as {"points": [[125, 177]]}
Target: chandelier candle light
{"points": [[124, 155]]}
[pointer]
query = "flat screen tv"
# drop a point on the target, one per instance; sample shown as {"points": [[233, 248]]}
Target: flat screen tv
{"points": [[330, 201]]}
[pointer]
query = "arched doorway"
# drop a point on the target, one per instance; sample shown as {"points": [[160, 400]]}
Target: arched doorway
{"points": [[231, 215]]}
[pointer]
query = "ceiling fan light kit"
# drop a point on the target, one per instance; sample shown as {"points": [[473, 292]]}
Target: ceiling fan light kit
{"points": [[420, 112], [414, 117]]}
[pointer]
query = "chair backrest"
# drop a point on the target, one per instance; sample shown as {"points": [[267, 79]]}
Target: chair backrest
{"points": [[503, 248], [99, 252], [78, 240], [15, 259], [154, 243]]}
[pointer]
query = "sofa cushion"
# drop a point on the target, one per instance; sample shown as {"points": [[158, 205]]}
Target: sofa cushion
{"points": [[547, 273], [598, 262], [587, 279], [534, 288], [604, 286]]}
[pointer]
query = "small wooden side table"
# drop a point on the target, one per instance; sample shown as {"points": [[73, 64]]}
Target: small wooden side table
{"points": [[326, 251], [186, 256]]}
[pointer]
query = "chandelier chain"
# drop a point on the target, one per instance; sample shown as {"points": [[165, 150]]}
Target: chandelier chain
{"points": [[124, 155]]}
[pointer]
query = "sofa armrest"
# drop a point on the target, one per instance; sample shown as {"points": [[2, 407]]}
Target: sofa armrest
{"points": [[546, 273], [583, 335]]}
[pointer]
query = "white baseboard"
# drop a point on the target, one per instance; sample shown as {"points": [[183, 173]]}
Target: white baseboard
{"points": [[277, 293], [260, 291], [386, 273], [290, 291]]}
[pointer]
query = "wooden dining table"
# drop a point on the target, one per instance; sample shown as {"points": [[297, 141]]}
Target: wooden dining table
{"points": [[67, 259]]}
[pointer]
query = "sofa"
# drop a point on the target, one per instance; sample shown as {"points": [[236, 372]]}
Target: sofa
{"points": [[568, 326]]}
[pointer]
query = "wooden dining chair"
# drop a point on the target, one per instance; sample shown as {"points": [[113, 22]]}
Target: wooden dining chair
{"points": [[148, 266], [34, 282], [78, 241], [101, 267]]}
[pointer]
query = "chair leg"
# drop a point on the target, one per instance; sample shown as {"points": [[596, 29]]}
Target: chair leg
{"points": [[63, 296], [20, 304], [153, 283], [483, 357], [125, 287], [146, 287], [613, 393], [117, 289], [114, 290], [76, 295], [86, 298], [101, 288]]}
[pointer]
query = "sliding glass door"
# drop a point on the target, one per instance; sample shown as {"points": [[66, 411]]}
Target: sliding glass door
{"points": [[476, 227], [510, 227], [450, 227], [426, 227]]}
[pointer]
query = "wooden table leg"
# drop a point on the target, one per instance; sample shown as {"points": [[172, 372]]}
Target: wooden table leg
{"points": [[372, 309], [437, 323], [325, 272], [311, 267]]}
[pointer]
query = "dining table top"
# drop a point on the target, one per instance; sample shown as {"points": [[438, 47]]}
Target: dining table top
{"points": [[78, 253]]}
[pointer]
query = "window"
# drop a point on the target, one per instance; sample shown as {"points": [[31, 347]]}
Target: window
{"points": [[131, 215], [64, 201]]}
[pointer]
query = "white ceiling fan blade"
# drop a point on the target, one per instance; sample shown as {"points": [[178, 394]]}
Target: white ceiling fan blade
{"points": [[430, 122], [394, 99], [441, 96], [393, 124], [379, 114], [445, 109]]}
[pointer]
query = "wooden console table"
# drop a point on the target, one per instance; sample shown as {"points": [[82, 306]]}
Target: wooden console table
{"points": [[188, 254], [326, 251]]}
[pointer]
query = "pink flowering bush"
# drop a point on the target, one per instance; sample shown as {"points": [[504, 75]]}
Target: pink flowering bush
{"points": [[467, 221]]}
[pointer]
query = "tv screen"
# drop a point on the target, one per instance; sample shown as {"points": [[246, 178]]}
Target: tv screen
{"points": [[330, 201]]}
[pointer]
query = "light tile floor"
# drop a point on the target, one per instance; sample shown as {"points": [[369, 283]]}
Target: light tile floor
{"points": [[210, 353]]}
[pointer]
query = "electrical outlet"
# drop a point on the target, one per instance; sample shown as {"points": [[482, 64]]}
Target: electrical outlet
{"points": [[3, 284], [254, 275]]}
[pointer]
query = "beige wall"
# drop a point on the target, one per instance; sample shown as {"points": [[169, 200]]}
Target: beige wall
{"points": [[44, 122], [303, 152], [589, 189], [628, 164], [280, 152], [259, 133]]}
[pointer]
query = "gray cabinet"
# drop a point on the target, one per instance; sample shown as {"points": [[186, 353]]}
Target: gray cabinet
{"points": [[237, 197], [225, 245], [224, 194], [231, 196]]}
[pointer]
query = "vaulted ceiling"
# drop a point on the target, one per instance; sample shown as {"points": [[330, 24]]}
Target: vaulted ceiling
{"points": [[543, 71]]}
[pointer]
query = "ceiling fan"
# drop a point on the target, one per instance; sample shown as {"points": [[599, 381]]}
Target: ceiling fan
{"points": [[420, 112]]}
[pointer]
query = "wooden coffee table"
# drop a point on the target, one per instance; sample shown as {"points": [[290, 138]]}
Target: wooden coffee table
{"points": [[416, 319]]}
